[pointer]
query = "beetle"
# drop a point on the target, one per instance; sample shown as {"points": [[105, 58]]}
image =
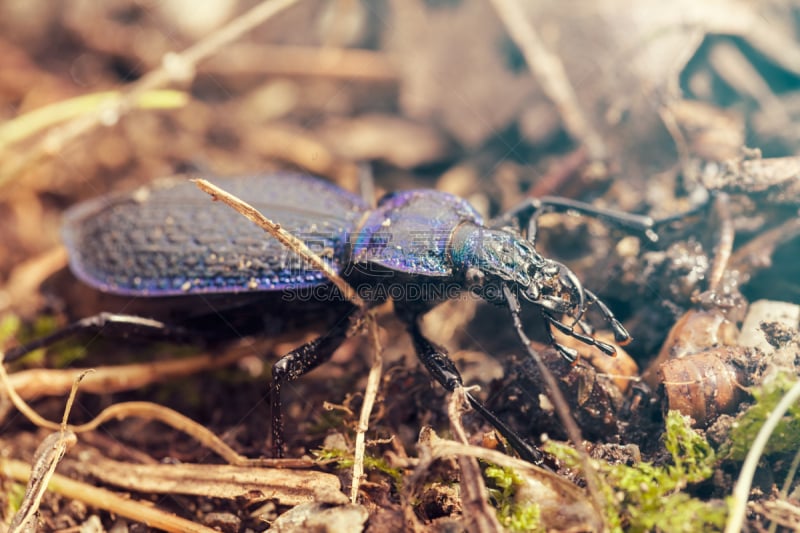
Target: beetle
{"points": [[167, 242]]}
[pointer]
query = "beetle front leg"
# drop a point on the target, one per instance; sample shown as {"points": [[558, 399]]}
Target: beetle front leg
{"points": [[291, 366], [442, 368]]}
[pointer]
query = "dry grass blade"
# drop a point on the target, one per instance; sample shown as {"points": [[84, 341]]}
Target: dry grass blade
{"points": [[373, 381], [742, 490], [38, 120], [289, 487], [45, 460], [34, 383]]}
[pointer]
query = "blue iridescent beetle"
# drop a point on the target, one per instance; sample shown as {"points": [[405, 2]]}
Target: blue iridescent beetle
{"points": [[167, 240]]}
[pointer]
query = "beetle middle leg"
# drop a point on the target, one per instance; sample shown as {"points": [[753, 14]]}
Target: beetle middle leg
{"points": [[291, 366], [442, 368]]}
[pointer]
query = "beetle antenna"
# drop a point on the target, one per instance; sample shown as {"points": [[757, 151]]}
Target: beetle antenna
{"points": [[586, 339], [621, 335]]}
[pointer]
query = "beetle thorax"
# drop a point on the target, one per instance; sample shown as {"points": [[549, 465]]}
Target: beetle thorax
{"points": [[496, 256]]}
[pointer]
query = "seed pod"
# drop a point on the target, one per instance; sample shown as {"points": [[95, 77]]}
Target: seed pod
{"points": [[705, 385], [696, 331]]}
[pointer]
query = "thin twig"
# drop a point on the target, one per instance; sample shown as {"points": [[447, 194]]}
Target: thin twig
{"points": [[727, 234], [232, 482], [45, 460], [370, 393], [33, 383], [104, 499], [478, 514]]}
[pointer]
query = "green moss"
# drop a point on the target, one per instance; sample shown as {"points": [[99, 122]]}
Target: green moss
{"points": [[645, 497], [512, 514], [9, 326], [344, 459], [14, 498], [65, 352], [328, 419], [785, 438]]}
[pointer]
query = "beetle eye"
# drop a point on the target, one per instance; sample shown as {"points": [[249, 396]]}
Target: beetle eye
{"points": [[550, 270], [474, 277]]}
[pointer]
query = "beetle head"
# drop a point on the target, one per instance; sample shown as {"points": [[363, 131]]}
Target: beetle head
{"points": [[496, 258], [557, 289]]}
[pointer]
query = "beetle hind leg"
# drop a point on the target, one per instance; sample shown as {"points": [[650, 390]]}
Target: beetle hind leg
{"points": [[114, 325]]}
